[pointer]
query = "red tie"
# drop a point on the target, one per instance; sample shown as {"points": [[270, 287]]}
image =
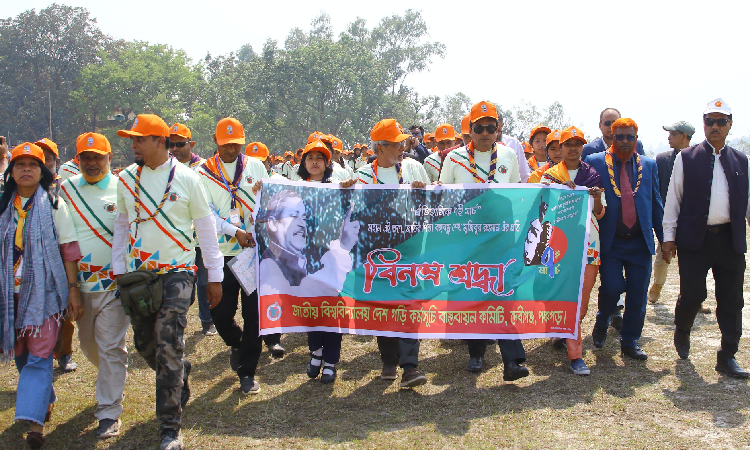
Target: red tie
{"points": [[626, 197]]}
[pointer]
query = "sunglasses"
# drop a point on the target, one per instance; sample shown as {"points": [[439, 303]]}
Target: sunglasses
{"points": [[178, 144], [608, 123], [709, 122], [625, 137], [479, 129]]}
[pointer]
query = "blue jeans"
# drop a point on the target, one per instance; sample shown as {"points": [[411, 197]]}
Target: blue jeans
{"points": [[204, 312], [35, 392], [635, 258]]}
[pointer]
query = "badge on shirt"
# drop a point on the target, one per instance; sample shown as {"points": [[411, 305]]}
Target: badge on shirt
{"points": [[234, 217]]}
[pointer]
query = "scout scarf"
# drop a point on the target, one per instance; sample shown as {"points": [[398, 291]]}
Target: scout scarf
{"points": [[611, 171], [587, 175], [216, 167], [44, 284], [493, 163], [194, 161], [137, 197]]}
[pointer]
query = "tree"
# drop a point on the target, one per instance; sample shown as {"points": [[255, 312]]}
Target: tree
{"points": [[42, 55]]}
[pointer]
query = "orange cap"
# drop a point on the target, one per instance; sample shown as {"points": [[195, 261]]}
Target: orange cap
{"points": [[481, 110], [357, 146], [572, 133], [317, 146], [146, 125], [536, 130], [553, 136], [92, 142], [229, 131], [444, 131], [466, 124], [180, 130], [299, 150], [288, 153], [28, 149], [257, 150], [388, 130], [317, 136], [337, 144], [527, 147], [45, 143]]}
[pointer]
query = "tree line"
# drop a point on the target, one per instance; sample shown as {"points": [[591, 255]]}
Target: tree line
{"points": [[60, 76]]}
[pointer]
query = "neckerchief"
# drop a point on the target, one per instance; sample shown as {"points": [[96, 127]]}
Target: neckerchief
{"points": [[22, 213], [216, 166], [375, 172], [493, 163], [137, 197], [194, 161], [533, 163], [611, 171], [587, 175]]}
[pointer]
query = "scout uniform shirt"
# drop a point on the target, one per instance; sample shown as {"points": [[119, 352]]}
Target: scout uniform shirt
{"points": [[93, 208], [66, 233], [218, 193], [69, 169], [411, 171], [164, 243], [457, 166], [432, 166]]}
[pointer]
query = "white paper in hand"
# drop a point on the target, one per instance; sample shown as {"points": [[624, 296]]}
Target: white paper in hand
{"points": [[244, 267]]}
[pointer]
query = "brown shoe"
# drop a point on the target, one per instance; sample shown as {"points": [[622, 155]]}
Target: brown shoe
{"points": [[389, 372], [653, 293], [34, 440], [705, 310], [412, 377]]}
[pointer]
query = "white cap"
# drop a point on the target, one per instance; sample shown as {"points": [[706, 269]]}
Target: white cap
{"points": [[718, 106]]}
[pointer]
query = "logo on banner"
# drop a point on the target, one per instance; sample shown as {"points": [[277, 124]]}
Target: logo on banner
{"points": [[273, 312]]}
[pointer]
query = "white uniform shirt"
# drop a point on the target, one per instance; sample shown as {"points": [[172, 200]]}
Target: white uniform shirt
{"points": [[523, 166], [457, 169], [411, 171], [432, 166]]}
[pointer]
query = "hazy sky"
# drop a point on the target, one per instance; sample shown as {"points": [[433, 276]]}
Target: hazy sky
{"points": [[656, 61]]}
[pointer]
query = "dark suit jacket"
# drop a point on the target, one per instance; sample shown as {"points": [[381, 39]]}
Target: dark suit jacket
{"points": [[647, 202], [665, 164], [598, 145]]}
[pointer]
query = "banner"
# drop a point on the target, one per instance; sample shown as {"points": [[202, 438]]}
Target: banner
{"points": [[501, 261]]}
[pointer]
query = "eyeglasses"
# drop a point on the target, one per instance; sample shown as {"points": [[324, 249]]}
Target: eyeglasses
{"points": [[178, 144], [623, 137], [709, 122], [479, 129], [608, 123]]}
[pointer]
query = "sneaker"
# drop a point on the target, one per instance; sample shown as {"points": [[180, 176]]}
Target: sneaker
{"points": [[389, 372], [185, 396], [234, 358], [277, 351], [171, 440], [579, 367], [412, 377], [209, 329], [67, 364], [108, 428], [248, 385]]}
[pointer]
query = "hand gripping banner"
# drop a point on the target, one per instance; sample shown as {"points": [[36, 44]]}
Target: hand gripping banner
{"points": [[501, 261]]}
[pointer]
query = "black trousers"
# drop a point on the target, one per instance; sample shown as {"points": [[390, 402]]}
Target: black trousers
{"points": [[728, 267], [272, 339], [247, 340], [510, 350], [398, 351], [331, 343]]}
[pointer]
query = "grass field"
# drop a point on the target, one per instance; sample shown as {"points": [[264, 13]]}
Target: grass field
{"points": [[661, 403]]}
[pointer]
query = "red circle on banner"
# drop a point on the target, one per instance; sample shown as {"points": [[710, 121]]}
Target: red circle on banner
{"points": [[558, 242]]}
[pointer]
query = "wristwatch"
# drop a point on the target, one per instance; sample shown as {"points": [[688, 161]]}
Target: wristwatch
{"points": [[74, 285]]}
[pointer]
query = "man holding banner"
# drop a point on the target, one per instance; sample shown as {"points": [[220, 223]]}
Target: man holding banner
{"points": [[485, 161], [390, 167]]}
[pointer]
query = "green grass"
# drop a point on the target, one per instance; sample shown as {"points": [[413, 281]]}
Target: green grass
{"points": [[662, 403]]}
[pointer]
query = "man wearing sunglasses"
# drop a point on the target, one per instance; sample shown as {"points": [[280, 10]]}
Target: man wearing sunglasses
{"points": [[705, 215], [484, 160], [633, 214], [606, 118]]}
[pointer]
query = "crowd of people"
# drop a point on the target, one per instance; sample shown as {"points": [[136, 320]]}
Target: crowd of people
{"points": [[84, 246]]}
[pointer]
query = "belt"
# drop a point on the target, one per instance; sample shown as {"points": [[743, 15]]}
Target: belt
{"points": [[627, 236], [719, 228]]}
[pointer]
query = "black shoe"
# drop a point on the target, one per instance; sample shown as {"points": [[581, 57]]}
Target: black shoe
{"points": [[682, 343], [312, 370], [617, 319], [633, 352], [185, 386], [475, 364], [599, 335], [234, 358], [328, 378], [731, 368], [559, 344], [277, 351], [171, 440], [249, 386], [513, 371]]}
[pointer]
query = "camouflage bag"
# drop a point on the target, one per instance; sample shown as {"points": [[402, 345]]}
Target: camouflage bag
{"points": [[140, 293]]}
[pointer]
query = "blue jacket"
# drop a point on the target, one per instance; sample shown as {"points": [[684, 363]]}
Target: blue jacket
{"points": [[598, 145], [647, 202]]}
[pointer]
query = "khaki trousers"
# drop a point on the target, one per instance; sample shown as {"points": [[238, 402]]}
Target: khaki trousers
{"points": [[660, 268], [101, 332]]}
